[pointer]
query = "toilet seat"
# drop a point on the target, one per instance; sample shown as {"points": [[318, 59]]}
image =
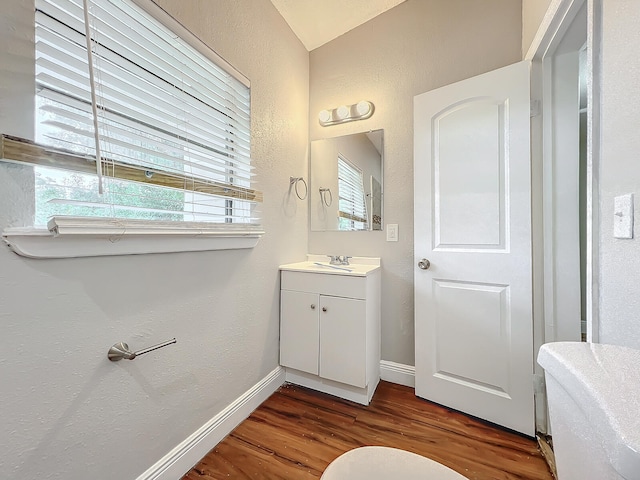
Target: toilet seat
{"points": [[371, 463]]}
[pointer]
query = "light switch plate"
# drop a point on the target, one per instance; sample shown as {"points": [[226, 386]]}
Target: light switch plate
{"points": [[392, 232], [623, 216]]}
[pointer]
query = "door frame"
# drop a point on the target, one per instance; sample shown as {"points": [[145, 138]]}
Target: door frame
{"points": [[554, 26]]}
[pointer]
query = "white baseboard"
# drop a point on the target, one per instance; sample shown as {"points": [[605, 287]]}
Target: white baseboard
{"points": [[398, 373], [188, 453]]}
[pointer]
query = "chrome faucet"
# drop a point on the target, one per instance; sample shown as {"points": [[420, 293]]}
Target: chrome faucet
{"points": [[338, 259], [344, 260], [334, 260]]}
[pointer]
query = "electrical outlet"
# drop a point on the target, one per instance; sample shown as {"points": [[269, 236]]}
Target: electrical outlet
{"points": [[392, 232]]}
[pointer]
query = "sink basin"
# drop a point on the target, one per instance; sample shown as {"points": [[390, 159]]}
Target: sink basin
{"points": [[358, 266]]}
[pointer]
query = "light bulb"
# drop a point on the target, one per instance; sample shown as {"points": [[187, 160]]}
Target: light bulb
{"points": [[342, 112], [363, 108], [324, 116]]}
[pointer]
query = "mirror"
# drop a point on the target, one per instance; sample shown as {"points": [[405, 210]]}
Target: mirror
{"points": [[345, 188]]}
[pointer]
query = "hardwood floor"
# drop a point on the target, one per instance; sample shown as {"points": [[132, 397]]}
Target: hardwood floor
{"points": [[297, 432]]}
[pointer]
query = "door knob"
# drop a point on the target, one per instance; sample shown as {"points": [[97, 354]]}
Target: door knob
{"points": [[324, 309], [313, 307], [424, 264]]}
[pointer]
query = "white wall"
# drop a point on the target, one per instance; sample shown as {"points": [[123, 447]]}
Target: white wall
{"points": [[620, 172], [533, 12], [67, 412], [415, 47], [17, 101]]}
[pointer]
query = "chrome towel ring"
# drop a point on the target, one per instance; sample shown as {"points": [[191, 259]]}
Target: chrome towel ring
{"points": [[295, 181], [323, 196]]}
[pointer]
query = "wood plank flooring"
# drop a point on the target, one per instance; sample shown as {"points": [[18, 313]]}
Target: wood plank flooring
{"points": [[297, 432]]}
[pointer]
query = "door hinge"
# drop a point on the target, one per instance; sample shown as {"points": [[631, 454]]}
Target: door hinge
{"points": [[534, 108]]}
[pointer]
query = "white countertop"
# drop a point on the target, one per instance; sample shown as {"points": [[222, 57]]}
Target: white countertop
{"points": [[358, 266]]}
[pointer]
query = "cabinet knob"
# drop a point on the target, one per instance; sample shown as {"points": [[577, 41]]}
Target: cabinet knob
{"points": [[324, 309], [313, 307]]}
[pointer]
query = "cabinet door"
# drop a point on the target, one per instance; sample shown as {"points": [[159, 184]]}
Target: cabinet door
{"points": [[299, 331], [343, 340]]}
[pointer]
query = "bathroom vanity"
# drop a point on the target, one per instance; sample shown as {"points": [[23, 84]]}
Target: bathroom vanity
{"points": [[330, 326]]}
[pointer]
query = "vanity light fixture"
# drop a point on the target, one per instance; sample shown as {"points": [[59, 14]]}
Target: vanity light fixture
{"points": [[346, 113]]}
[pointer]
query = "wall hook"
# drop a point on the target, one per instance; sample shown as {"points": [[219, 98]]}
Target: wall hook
{"points": [[121, 350]]}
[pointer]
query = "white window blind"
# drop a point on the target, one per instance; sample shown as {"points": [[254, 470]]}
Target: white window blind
{"points": [[351, 203], [174, 126]]}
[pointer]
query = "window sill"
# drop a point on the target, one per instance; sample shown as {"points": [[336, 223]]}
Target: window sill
{"points": [[67, 239]]}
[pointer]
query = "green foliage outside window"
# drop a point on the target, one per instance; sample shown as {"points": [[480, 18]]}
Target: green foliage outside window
{"points": [[84, 188]]}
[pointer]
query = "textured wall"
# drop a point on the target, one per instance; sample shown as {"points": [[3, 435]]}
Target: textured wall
{"points": [[17, 102], [620, 172], [415, 47], [533, 12], [67, 412]]}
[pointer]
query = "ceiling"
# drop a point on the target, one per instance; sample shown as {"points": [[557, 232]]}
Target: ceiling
{"points": [[316, 22]]}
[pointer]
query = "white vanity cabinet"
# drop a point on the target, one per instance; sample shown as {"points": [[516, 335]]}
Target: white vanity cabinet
{"points": [[324, 336], [330, 327]]}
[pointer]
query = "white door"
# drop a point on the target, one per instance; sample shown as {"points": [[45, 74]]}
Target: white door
{"points": [[473, 323]]}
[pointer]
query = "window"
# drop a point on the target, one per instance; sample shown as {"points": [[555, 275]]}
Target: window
{"points": [[173, 124], [352, 211]]}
